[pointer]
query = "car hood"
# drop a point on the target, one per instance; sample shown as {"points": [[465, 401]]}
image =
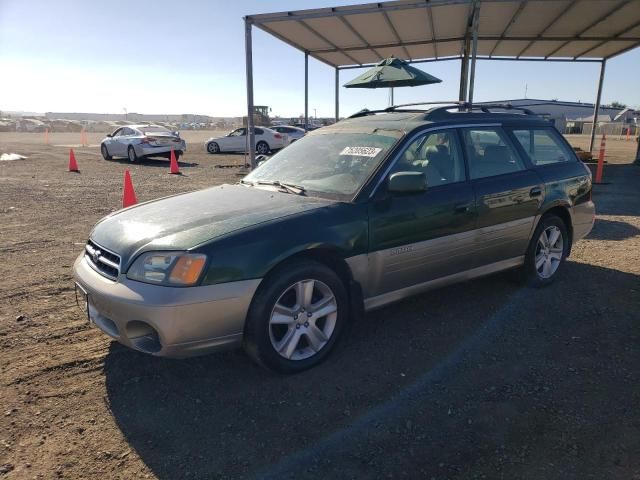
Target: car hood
{"points": [[184, 221]]}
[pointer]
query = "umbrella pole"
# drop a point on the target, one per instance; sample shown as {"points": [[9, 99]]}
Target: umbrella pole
{"points": [[391, 97]]}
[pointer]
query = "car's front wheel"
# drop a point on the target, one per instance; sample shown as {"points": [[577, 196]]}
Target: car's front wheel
{"points": [[213, 147], [547, 251], [105, 152], [296, 317]]}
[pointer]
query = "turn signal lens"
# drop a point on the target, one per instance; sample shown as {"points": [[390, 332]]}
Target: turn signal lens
{"points": [[187, 269]]}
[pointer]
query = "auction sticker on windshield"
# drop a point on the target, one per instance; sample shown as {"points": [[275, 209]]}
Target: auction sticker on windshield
{"points": [[361, 151]]}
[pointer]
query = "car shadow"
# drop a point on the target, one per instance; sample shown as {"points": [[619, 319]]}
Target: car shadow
{"points": [[612, 230], [618, 194], [152, 162], [381, 399]]}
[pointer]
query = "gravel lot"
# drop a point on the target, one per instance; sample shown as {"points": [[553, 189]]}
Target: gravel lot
{"points": [[486, 379]]}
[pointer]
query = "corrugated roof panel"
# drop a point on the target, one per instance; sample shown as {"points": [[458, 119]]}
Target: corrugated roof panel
{"points": [[610, 21], [610, 48], [450, 20], [365, 56], [334, 58], [536, 16], [421, 51], [485, 47], [581, 16], [507, 47], [494, 17], [541, 49], [373, 27], [412, 25], [449, 49], [298, 35], [335, 30], [575, 48], [623, 18]]}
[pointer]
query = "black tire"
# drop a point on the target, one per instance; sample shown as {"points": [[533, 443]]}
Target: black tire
{"points": [[213, 148], [258, 331], [131, 154], [105, 152], [529, 272], [262, 148], [177, 153]]}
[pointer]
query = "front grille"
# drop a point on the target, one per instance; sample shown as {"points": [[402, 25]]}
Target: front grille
{"points": [[101, 260]]}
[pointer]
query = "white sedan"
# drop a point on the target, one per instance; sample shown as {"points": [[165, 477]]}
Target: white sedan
{"points": [[294, 133], [140, 141], [266, 140]]}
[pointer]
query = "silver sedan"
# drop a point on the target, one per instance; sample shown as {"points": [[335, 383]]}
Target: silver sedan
{"points": [[139, 141]]}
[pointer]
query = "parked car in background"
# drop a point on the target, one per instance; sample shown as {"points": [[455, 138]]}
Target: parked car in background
{"points": [[310, 126], [294, 133], [383, 205], [140, 141], [266, 140]]}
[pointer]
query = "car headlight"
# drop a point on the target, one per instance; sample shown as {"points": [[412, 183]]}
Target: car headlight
{"points": [[168, 268]]}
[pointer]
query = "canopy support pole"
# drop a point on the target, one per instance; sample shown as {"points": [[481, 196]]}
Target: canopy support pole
{"points": [[464, 69], [474, 51], [249, 66], [337, 94], [306, 91], [391, 98], [594, 124]]}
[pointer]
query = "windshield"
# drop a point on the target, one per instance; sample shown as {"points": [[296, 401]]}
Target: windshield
{"points": [[335, 163]]}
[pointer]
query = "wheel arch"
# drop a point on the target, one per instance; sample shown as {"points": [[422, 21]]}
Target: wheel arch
{"points": [[563, 211], [332, 258]]}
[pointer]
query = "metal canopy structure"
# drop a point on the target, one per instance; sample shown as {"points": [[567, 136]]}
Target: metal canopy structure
{"points": [[419, 31]]}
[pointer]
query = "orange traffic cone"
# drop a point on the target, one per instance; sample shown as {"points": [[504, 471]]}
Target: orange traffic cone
{"points": [[128, 195], [174, 169], [73, 165]]}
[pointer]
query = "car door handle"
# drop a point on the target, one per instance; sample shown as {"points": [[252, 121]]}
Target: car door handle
{"points": [[462, 208], [535, 192]]}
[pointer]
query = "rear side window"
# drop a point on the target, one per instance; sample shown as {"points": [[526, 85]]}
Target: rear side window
{"points": [[258, 131], [542, 146], [490, 153]]}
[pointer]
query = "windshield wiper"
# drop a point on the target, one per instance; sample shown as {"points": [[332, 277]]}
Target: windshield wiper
{"points": [[288, 187]]}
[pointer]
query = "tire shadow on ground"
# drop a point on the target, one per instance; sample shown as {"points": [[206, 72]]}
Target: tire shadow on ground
{"points": [[435, 385]]}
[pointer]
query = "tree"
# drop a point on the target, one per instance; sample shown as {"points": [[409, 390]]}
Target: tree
{"points": [[616, 104]]}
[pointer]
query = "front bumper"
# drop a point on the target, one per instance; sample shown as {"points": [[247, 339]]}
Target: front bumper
{"points": [[166, 321]]}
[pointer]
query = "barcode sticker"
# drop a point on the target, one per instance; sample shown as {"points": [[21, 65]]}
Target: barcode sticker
{"points": [[361, 151]]}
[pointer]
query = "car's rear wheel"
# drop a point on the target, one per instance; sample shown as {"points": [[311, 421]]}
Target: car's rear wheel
{"points": [[213, 147], [296, 317], [262, 148], [131, 154], [105, 152], [547, 251]]}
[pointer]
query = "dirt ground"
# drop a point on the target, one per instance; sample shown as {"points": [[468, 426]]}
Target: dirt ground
{"points": [[486, 379]]}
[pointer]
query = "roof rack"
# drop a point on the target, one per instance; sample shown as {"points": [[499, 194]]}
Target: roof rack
{"points": [[446, 106]]}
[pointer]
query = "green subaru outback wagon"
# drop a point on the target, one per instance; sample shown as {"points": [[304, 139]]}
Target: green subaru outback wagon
{"points": [[380, 206]]}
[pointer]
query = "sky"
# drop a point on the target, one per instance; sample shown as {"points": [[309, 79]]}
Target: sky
{"points": [[188, 57]]}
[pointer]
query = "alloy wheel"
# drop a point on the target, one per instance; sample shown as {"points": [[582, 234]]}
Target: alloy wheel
{"points": [[263, 148], [303, 319], [549, 251]]}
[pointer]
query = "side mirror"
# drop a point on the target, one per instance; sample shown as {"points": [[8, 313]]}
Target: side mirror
{"points": [[407, 182]]}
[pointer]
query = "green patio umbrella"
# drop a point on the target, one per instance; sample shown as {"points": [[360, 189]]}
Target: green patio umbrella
{"points": [[392, 72]]}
